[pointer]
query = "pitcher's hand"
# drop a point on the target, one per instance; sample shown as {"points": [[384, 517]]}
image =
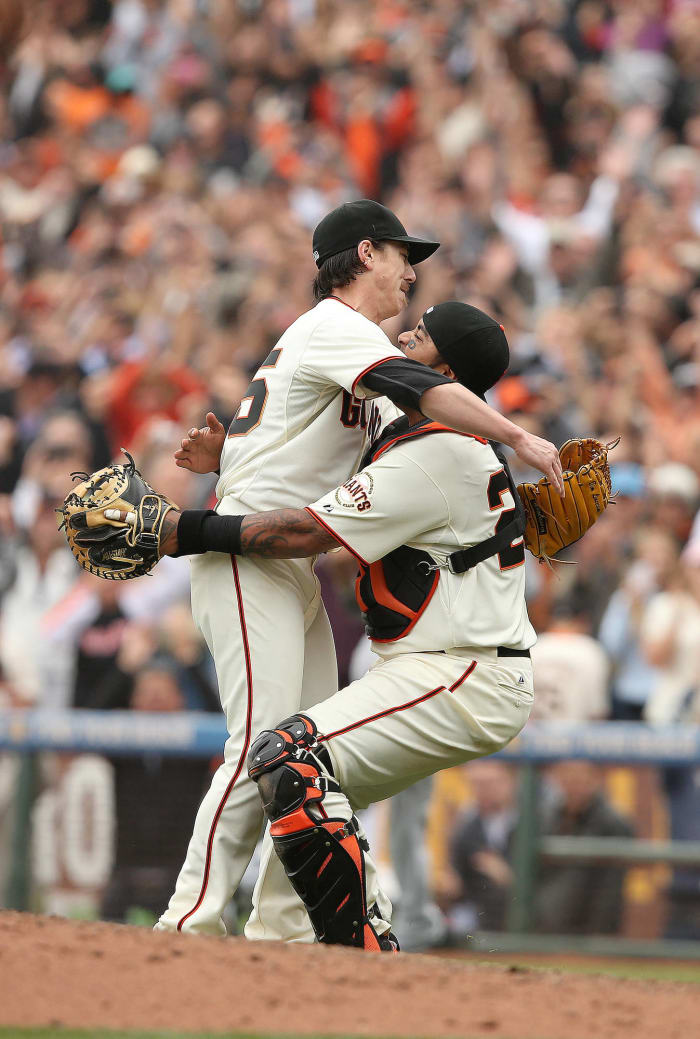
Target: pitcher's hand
{"points": [[541, 455], [200, 451]]}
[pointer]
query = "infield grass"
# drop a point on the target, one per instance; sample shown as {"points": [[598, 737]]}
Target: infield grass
{"points": [[636, 970]]}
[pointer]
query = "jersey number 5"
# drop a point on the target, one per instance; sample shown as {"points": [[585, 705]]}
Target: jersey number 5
{"points": [[513, 555], [252, 405]]}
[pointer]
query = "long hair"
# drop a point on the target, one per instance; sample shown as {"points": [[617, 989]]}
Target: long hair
{"points": [[338, 271]]}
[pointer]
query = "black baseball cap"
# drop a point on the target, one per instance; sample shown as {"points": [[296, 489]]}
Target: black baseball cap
{"points": [[472, 343], [349, 224]]}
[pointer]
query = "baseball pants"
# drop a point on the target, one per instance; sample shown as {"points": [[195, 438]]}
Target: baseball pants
{"points": [[271, 641], [407, 718]]}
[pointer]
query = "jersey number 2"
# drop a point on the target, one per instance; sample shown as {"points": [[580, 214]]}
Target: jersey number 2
{"points": [[513, 555], [253, 403]]}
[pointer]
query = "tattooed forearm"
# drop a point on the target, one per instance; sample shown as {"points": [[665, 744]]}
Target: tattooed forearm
{"points": [[284, 534]]}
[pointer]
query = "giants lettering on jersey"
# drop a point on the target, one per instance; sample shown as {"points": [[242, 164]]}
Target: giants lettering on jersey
{"points": [[355, 493], [353, 412]]}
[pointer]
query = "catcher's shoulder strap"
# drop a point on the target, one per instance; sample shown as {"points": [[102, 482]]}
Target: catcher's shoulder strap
{"points": [[401, 430], [464, 558]]}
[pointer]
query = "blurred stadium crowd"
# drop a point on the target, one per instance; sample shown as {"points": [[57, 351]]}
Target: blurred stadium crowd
{"points": [[162, 165]]}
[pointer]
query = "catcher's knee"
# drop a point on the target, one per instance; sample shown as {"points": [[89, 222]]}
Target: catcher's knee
{"points": [[322, 856], [292, 769]]}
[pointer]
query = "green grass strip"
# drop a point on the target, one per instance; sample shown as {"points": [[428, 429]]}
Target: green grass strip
{"points": [[632, 970]]}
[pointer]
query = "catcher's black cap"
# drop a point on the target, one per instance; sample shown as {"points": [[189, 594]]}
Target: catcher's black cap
{"points": [[351, 223], [472, 343]]}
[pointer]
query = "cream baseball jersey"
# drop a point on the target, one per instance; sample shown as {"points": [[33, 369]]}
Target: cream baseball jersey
{"points": [[437, 493], [307, 416]]}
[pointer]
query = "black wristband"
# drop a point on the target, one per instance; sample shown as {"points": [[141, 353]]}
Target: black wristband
{"points": [[204, 531], [190, 540]]}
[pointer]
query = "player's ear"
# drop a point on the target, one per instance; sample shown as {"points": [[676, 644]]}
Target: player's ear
{"points": [[364, 251], [444, 369]]}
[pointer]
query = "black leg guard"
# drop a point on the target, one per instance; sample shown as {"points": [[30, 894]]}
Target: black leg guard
{"points": [[323, 857]]}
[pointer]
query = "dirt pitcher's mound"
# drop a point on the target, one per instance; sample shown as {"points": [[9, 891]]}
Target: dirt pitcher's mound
{"points": [[59, 973]]}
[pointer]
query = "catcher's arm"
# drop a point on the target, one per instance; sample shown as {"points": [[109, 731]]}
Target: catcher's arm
{"points": [[118, 527], [282, 534]]}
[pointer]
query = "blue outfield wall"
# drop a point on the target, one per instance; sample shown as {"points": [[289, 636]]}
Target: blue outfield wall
{"points": [[193, 734]]}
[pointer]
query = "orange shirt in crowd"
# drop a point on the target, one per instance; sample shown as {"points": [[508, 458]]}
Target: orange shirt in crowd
{"points": [[142, 391]]}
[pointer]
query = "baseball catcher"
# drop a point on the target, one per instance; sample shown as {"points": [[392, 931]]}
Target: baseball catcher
{"points": [[113, 521]]}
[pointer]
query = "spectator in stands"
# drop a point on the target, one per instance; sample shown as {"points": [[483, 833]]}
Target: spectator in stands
{"points": [[570, 666], [63, 444], [43, 572], [674, 489], [654, 561], [481, 848], [580, 898], [24, 407], [156, 799], [670, 637], [109, 642], [98, 624]]}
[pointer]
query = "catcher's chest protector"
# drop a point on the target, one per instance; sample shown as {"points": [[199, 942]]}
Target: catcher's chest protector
{"points": [[394, 592], [323, 857]]}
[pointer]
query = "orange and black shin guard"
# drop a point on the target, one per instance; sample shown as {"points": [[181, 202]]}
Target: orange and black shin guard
{"points": [[323, 857]]}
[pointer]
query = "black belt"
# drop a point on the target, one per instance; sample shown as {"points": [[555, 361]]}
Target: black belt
{"points": [[506, 651]]}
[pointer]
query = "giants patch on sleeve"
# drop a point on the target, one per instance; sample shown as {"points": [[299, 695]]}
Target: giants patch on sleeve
{"points": [[355, 493]]}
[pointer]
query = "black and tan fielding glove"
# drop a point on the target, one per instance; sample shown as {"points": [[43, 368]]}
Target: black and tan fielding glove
{"points": [[113, 522], [553, 522]]}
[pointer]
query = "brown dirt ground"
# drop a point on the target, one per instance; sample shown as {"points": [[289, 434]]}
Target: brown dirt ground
{"points": [[56, 972]]}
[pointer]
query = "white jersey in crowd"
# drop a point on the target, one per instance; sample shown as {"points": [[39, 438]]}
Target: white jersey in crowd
{"points": [[439, 493], [317, 416]]}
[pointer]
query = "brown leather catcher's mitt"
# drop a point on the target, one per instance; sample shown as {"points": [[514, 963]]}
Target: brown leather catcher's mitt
{"points": [[554, 523]]}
